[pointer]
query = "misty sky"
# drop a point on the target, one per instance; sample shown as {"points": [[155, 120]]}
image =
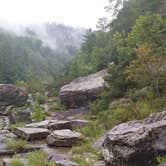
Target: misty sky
{"points": [[81, 13]]}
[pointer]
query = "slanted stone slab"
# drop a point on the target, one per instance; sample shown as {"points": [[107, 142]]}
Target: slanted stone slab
{"points": [[78, 123], [59, 125], [99, 163], [31, 133], [65, 163], [43, 124], [64, 138], [51, 124]]}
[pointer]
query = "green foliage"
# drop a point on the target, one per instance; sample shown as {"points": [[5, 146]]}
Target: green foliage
{"points": [[98, 106], [20, 124], [92, 130], [38, 113], [146, 93], [126, 110], [35, 86], [16, 162], [38, 158], [24, 55], [40, 98], [161, 160], [56, 106], [125, 17], [16, 145], [93, 56]]}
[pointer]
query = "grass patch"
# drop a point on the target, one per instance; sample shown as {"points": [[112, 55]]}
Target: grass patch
{"points": [[81, 161], [84, 148], [92, 132], [57, 106], [161, 160], [39, 158], [20, 124], [40, 98], [16, 162], [125, 112], [16, 145]]}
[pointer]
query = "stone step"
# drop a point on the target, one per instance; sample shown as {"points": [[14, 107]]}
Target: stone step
{"points": [[31, 133], [64, 138]]}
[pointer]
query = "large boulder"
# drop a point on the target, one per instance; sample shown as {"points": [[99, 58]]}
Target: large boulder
{"points": [[64, 138], [136, 143], [82, 90], [12, 95]]}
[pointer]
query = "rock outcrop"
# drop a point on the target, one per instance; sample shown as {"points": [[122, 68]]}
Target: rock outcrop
{"points": [[82, 90], [12, 95], [64, 138], [17, 116], [136, 143]]}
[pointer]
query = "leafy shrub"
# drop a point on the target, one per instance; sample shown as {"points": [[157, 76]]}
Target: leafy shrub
{"points": [[16, 162], [16, 145], [38, 113], [35, 86], [98, 106], [56, 106], [146, 93], [21, 83], [37, 158], [40, 98], [161, 160]]}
